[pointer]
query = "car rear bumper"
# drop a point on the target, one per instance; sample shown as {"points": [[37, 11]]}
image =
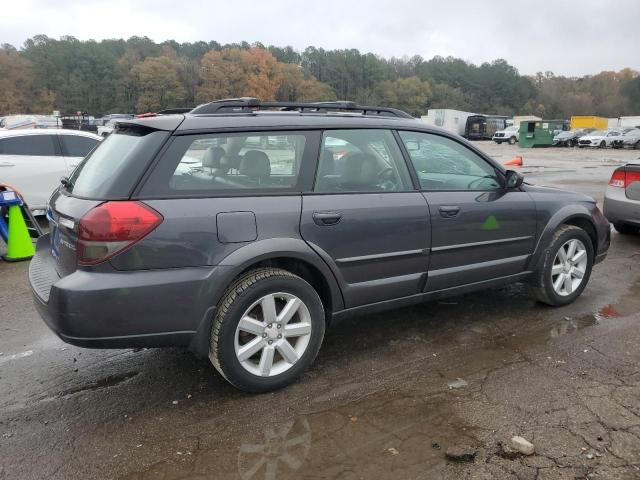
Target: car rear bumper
{"points": [[620, 209], [123, 309]]}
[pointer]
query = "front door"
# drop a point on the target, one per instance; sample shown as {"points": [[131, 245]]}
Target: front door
{"points": [[365, 219], [480, 231]]}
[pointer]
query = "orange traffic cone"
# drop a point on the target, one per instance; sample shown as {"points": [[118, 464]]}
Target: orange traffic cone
{"points": [[514, 162]]}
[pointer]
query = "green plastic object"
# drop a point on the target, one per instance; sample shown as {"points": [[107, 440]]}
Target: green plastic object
{"points": [[19, 244]]}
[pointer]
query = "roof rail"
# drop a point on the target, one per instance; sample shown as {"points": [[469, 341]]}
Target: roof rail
{"points": [[249, 104]]}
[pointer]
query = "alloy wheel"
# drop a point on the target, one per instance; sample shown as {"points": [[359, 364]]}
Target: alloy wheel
{"points": [[273, 334], [569, 267]]}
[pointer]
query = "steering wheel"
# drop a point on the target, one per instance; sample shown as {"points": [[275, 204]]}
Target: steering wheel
{"points": [[472, 183]]}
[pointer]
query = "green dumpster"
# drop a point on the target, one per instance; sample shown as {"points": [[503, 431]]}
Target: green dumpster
{"points": [[537, 133]]}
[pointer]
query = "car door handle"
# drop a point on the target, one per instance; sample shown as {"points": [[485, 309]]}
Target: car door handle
{"points": [[7, 164], [449, 211], [326, 218]]}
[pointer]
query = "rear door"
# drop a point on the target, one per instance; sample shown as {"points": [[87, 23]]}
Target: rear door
{"points": [[480, 231], [33, 164], [365, 218]]}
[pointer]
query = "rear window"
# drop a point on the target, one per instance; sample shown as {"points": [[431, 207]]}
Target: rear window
{"points": [[112, 170], [232, 163]]}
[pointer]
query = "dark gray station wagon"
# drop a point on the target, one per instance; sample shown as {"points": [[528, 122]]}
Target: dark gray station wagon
{"points": [[242, 228]]}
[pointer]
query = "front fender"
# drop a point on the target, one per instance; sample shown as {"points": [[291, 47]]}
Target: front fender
{"points": [[564, 215]]}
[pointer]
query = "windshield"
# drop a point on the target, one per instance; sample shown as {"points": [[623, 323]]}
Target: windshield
{"points": [[511, 129], [112, 169], [598, 133]]}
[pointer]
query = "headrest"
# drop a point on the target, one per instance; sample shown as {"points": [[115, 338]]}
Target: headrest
{"points": [[357, 168], [212, 157], [327, 164], [255, 163]]}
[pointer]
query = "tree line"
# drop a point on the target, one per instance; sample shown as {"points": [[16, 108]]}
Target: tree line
{"points": [[139, 75]]}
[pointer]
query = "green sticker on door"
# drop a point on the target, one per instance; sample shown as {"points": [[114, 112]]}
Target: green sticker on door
{"points": [[491, 223]]}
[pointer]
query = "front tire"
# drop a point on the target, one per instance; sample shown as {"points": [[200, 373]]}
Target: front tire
{"points": [[566, 268], [625, 229], [268, 329], [512, 141], [603, 144]]}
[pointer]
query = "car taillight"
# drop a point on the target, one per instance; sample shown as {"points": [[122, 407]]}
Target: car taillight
{"points": [[113, 227], [618, 179], [622, 178], [631, 177]]}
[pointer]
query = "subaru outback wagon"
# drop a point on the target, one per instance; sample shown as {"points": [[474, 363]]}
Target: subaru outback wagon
{"points": [[243, 228]]}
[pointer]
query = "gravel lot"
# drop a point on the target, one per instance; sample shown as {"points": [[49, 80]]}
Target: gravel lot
{"points": [[388, 395]]}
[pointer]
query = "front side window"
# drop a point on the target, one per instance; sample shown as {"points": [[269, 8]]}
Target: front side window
{"points": [[224, 163], [361, 161], [444, 164], [34, 145]]}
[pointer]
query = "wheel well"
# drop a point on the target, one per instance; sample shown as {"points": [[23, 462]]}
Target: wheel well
{"points": [[588, 227], [305, 270]]}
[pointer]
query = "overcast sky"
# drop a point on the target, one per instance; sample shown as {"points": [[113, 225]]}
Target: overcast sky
{"points": [[567, 37]]}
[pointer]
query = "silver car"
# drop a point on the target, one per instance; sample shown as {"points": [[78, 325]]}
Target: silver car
{"points": [[622, 200]]}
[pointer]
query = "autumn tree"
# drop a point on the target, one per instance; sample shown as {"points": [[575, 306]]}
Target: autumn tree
{"points": [[295, 86], [158, 83], [234, 72], [409, 94], [16, 77]]}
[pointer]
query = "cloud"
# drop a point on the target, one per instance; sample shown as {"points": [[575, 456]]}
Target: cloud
{"points": [[566, 37]]}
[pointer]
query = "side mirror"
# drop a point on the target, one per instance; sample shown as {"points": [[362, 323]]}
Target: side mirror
{"points": [[513, 179]]}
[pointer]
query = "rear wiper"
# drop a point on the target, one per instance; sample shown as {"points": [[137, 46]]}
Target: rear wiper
{"points": [[66, 183]]}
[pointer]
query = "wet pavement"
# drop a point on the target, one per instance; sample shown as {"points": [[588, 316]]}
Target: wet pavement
{"points": [[387, 396]]}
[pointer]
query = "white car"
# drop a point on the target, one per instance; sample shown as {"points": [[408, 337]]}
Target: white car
{"points": [[599, 138], [33, 160], [509, 135]]}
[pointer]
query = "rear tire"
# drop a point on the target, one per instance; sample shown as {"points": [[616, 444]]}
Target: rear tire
{"points": [[268, 351], [551, 281], [625, 228], [637, 145]]}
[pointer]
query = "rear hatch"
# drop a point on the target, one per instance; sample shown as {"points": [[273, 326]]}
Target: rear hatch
{"points": [[109, 173]]}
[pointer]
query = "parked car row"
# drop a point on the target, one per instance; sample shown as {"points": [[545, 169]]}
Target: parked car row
{"points": [[581, 137]]}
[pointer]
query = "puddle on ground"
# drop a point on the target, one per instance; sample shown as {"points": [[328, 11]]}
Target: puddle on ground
{"points": [[385, 435]]}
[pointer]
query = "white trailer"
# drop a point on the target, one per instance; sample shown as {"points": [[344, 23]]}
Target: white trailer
{"points": [[633, 121], [448, 119]]}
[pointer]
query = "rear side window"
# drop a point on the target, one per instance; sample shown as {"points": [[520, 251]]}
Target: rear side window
{"points": [[233, 163], [76, 145], [36, 145], [112, 170]]}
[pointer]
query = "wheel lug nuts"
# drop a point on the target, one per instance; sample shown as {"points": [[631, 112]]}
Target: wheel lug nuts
{"points": [[270, 342], [270, 325], [279, 335], [279, 326], [264, 335]]}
